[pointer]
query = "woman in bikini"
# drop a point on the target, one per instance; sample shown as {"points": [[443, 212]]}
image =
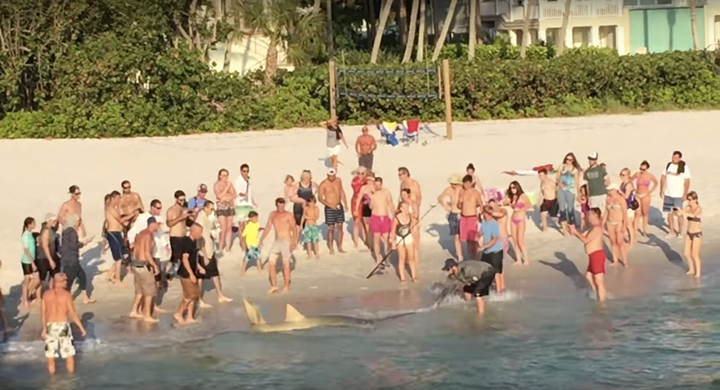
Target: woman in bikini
{"points": [[401, 239], [225, 208], [645, 185], [520, 203], [615, 222], [627, 189], [568, 177], [356, 204], [693, 239]]}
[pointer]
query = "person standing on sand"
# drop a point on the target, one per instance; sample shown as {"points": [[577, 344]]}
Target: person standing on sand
{"points": [[300, 195], [285, 242], [188, 280], [414, 210], [225, 209], [382, 207], [674, 187], [30, 273], [401, 239], [311, 232], [469, 203], [449, 200], [55, 313], [245, 203], [144, 271], [116, 224], [70, 257], [359, 181], [161, 244], [615, 221], [549, 205], [593, 240], [470, 170], [207, 255], [645, 184], [130, 204], [568, 177], [175, 219], [694, 238], [197, 202], [492, 247], [335, 139], [47, 258], [71, 206], [251, 236], [365, 147], [332, 195], [627, 190], [500, 215], [412, 185], [289, 184], [597, 180], [516, 198]]}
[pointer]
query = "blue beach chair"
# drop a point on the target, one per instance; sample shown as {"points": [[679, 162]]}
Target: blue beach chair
{"points": [[387, 131]]}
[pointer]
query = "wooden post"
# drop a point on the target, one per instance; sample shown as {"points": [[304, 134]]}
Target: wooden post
{"points": [[448, 99], [333, 90]]}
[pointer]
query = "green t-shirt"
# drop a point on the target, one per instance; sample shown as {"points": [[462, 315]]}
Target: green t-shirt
{"points": [[595, 178], [28, 242]]}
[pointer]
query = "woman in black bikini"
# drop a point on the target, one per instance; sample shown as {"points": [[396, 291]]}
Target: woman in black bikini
{"points": [[401, 239], [693, 239]]}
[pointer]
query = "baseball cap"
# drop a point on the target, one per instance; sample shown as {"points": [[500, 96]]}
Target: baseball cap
{"points": [[593, 156], [50, 217], [331, 171], [151, 221], [449, 263], [613, 186], [202, 188]]}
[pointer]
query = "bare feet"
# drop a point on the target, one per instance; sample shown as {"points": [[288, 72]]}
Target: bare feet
{"points": [[157, 309], [272, 290], [151, 320], [670, 235], [204, 305], [190, 320], [89, 301], [223, 299], [526, 263], [286, 288], [340, 250], [690, 272], [517, 262], [317, 257], [135, 315], [614, 263], [178, 318]]}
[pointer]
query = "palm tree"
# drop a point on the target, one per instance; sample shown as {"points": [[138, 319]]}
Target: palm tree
{"points": [[472, 34], [445, 28], [412, 28], [694, 25], [526, 28], [330, 36], [297, 31], [384, 14], [563, 28], [420, 55]]}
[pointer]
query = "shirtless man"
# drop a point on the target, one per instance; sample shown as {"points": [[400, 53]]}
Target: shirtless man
{"points": [[412, 185], [130, 201], [469, 202], [381, 219], [72, 206], [548, 188], [175, 217], [332, 196], [116, 224], [55, 311], [364, 147], [593, 240], [449, 200], [145, 269], [285, 242]]}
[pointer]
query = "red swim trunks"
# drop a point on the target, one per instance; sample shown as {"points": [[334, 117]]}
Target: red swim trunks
{"points": [[468, 228], [596, 263]]}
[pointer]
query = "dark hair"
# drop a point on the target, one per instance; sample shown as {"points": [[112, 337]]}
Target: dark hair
{"points": [[155, 202], [596, 211], [279, 201], [178, 194], [467, 179], [208, 203], [584, 187], [644, 162], [122, 184], [514, 197], [252, 214], [543, 171], [114, 194], [406, 190], [312, 199], [108, 197], [378, 180], [575, 163], [693, 195], [221, 171], [470, 166], [27, 222], [404, 171], [244, 166], [677, 153], [73, 188], [336, 129]]}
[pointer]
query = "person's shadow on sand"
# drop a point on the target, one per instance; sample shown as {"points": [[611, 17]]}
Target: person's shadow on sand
{"points": [[670, 254], [442, 232], [569, 269]]}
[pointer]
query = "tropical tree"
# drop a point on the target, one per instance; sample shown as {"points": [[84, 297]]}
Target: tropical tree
{"points": [[445, 28], [384, 15], [472, 33], [200, 24], [412, 29], [564, 27], [694, 25], [526, 28], [299, 32], [420, 55]]}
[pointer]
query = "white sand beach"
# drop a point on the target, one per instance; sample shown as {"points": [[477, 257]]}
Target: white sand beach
{"points": [[37, 174]]}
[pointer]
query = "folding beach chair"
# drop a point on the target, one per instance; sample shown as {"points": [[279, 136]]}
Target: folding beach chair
{"points": [[411, 130], [387, 131]]}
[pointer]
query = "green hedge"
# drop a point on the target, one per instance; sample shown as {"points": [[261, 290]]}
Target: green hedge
{"points": [[95, 99]]}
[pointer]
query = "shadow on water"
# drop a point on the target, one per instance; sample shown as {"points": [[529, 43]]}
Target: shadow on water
{"points": [[567, 268], [670, 254]]}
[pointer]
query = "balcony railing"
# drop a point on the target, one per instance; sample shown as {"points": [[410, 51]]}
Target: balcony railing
{"points": [[511, 12], [581, 8]]}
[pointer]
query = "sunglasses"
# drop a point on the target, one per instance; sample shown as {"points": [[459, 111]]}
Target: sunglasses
{"points": [[569, 159], [126, 188], [78, 193]]}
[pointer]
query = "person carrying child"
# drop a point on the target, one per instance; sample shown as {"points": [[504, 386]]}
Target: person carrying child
{"points": [[251, 234], [311, 232]]}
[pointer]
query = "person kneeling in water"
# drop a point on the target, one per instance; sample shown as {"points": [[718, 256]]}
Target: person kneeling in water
{"points": [[476, 277]]}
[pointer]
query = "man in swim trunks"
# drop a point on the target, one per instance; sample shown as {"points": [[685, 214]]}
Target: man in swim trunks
{"points": [[72, 206], [175, 217], [161, 243], [548, 188], [476, 277], [332, 195], [492, 247], [188, 272], [381, 220], [469, 202], [55, 311], [144, 270], [364, 147], [593, 240], [116, 225], [449, 200], [285, 242]]}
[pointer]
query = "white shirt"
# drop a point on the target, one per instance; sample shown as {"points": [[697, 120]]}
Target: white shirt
{"points": [[141, 224], [242, 186], [675, 183]]}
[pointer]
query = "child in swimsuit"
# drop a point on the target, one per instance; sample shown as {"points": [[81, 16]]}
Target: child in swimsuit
{"points": [[311, 232], [251, 234]]}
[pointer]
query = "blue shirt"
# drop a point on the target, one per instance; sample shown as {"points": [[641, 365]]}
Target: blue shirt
{"points": [[489, 231], [196, 202]]}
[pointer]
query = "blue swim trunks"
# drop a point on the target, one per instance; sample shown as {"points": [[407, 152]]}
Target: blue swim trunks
{"points": [[252, 254]]}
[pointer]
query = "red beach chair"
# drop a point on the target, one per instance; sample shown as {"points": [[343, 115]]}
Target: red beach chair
{"points": [[411, 130]]}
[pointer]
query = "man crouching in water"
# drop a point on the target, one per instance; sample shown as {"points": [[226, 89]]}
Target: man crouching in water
{"points": [[476, 277], [56, 308]]}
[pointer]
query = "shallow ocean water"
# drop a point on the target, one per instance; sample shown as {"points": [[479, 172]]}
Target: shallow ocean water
{"points": [[667, 339]]}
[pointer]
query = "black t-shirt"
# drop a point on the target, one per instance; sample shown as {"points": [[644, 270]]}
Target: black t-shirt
{"points": [[189, 247]]}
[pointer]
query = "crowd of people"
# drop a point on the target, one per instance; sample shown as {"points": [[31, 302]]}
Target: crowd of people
{"points": [[185, 243]]}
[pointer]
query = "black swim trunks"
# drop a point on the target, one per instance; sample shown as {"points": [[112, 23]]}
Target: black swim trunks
{"points": [[481, 288], [551, 207], [176, 247], [495, 259]]}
